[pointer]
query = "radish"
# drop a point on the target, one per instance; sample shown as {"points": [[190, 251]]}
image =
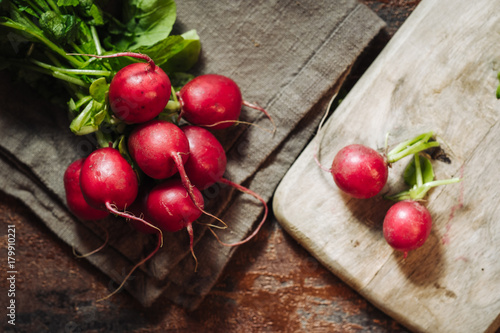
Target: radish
{"points": [[407, 225], [359, 171], [108, 182], [74, 197], [77, 204], [207, 161], [138, 92], [362, 172], [170, 207], [207, 164], [160, 149], [214, 101]]}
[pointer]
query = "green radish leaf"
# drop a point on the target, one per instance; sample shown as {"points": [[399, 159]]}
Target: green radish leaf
{"points": [[65, 31], [81, 125], [163, 50], [65, 3], [149, 21], [61, 29], [410, 176], [89, 119], [176, 53], [185, 54], [99, 89], [22, 33], [29, 10], [96, 13], [88, 48], [72, 106]]}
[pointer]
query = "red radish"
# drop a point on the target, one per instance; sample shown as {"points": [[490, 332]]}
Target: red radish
{"points": [[170, 207], [108, 182], [407, 225], [74, 197], [138, 92], [362, 172], [159, 148], [77, 204], [359, 171], [207, 164], [212, 100], [207, 161]]}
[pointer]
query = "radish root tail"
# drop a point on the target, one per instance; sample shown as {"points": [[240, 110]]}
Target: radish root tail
{"points": [[129, 216], [158, 245], [255, 106], [113, 209], [261, 223], [97, 249], [318, 138], [189, 228], [238, 122]]}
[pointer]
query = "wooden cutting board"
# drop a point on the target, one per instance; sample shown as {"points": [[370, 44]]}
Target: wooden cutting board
{"points": [[439, 72]]}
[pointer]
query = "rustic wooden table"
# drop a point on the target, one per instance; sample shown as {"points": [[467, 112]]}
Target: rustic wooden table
{"points": [[271, 283]]}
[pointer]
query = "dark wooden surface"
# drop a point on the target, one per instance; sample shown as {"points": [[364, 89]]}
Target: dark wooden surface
{"points": [[271, 284]]}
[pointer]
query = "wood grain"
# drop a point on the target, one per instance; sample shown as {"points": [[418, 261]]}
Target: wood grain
{"points": [[438, 73]]}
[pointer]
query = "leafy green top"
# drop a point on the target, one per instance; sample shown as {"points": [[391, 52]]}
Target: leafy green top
{"points": [[54, 37]]}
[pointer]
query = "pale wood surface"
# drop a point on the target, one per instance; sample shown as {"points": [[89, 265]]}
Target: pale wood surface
{"points": [[439, 72]]}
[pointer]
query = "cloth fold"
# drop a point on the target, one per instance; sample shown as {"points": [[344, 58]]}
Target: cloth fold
{"points": [[287, 56]]}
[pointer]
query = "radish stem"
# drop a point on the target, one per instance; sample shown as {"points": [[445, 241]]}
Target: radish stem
{"points": [[121, 54]]}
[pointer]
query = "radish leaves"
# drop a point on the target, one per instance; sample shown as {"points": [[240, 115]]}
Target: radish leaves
{"points": [[55, 38]]}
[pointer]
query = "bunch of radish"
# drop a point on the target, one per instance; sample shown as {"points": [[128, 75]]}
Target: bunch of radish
{"points": [[362, 172], [155, 177]]}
